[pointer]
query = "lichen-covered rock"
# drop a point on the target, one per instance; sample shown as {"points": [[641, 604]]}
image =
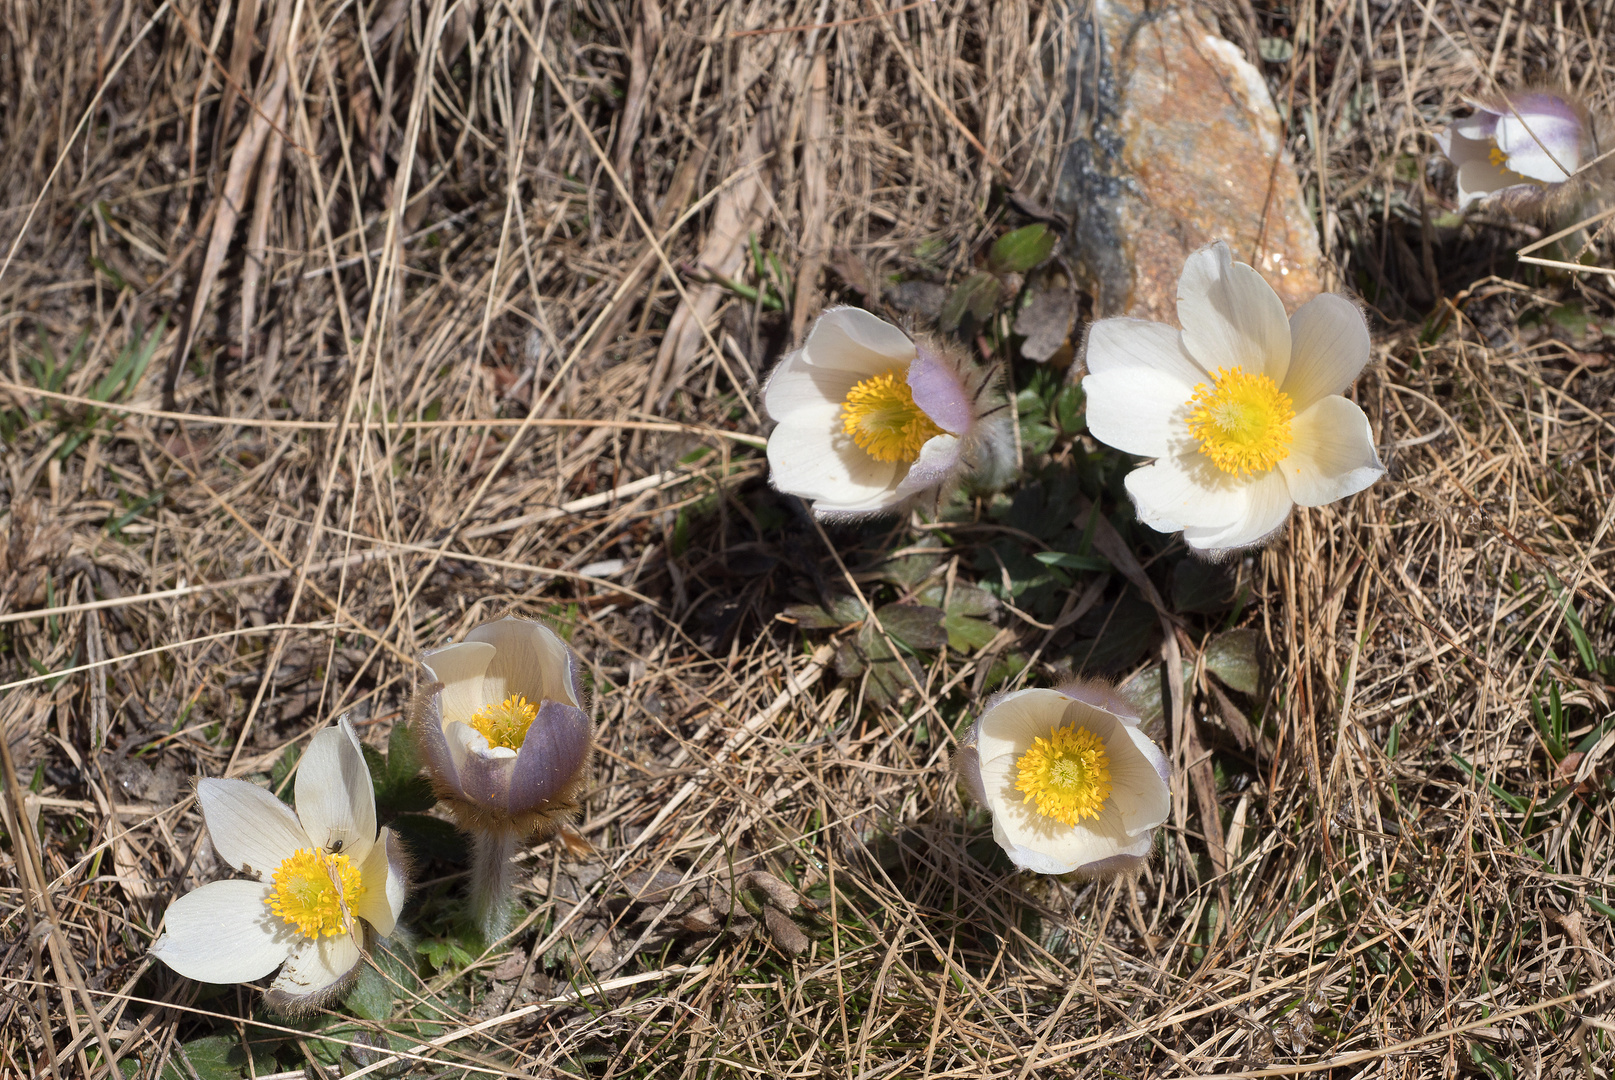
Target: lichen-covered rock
{"points": [[1177, 146]]}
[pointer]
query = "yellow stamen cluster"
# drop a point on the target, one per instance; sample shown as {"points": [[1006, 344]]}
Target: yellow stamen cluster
{"points": [[315, 891], [1067, 774], [880, 415], [1242, 421], [506, 723]]}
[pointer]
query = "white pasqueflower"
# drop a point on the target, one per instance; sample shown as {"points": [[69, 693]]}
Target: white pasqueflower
{"points": [[314, 879], [1519, 150], [869, 418], [507, 745], [1070, 780], [1241, 409]]}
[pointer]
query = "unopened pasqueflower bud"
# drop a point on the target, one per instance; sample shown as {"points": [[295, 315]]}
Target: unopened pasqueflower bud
{"points": [[871, 420], [506, 742]]}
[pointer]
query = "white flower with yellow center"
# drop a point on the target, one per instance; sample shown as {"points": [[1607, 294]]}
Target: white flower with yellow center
{"points": [[1241, 409], [1518, 149], [870, 418], [1070, 780], [315, 879]]}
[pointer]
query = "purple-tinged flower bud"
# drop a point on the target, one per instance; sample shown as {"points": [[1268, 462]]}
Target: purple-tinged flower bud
{"points": [[1071, 782], [1520, 150], [502, 727], [507, 745], [871, 420]]}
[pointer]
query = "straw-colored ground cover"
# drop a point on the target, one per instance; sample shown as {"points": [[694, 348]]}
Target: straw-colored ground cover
{"points": [[331, 330]]}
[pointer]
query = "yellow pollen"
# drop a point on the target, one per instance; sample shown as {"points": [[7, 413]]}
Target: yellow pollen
{"points": [[1067, 775], [506, 723], [1498, 157], [1242, 421], [883, 420], [316, 891]]}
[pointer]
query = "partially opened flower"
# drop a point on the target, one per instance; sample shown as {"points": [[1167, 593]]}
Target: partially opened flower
{"points": [[506, 742], [1518, 150], [870, 419], [317, 881], [1070, 780], [1241, 409]]}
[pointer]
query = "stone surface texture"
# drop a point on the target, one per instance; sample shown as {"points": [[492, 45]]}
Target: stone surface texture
{"points": [[1177, 145]]}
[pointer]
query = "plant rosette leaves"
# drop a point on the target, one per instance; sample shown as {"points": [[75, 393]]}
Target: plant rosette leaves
{"points": [[211, 1057], [965, 616], [1235, 658], [976, 298]]}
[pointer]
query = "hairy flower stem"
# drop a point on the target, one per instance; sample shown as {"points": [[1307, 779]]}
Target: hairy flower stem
{"points": [[492, 876]]}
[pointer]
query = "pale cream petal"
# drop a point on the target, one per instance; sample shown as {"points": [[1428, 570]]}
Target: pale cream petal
{"points": [[1263, 511], [854, 340], [529, 659], [316, 966], [1333, 455], [251, 829], [1139, 384], [335, 800], [1045, 846], [796, 384], [1012, 723], [1140, 795], [811, 456], [224, 933], [1231, 317], [1328, 348], [1186, 489], [384, 884], [460, 668], [1480, 178]]}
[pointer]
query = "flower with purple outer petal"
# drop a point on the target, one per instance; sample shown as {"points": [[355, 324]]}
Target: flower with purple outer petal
{"points": [[318, 881], [1071, 782], [528, 777], [870, 419], [1518, 150], [1241, 409]]}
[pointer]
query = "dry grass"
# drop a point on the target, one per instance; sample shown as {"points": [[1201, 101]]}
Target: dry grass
{"points": [[384, 403]]}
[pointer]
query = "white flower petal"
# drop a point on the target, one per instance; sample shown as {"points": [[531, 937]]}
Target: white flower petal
{"points": [[1333, 455], [529, 659], [1186, 489], [1010, 724], [460, 668], [797, 384], [1045, 846], [335, 800], [1140, 379], [939, 459], [224, 933], [854, 340], [384, 885], [809, 455], [1328, 347], [251, 829], [317, 965], [1543, 147], [1265, 507], [1140, 793], [1480, 178], [1231, 317]]}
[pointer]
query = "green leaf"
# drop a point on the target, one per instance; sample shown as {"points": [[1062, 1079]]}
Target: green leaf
{"points": [[402, 788], [976, 298], [1071, 409], [1234, 658], [1037, 437], [1067, 561], [370, 997], [1019, 251], [913, 626], [1114, 637], [1495, 1066], [213, 1057], [844, 611]]}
